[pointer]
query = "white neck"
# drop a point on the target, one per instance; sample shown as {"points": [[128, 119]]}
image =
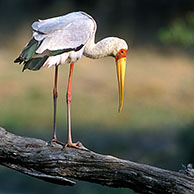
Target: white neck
{"points": [[103, 48]]}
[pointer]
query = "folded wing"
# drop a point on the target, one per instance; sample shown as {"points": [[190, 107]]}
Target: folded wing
{"points": [[55, 36]]}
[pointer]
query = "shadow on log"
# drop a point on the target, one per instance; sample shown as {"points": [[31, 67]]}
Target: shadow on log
{"points": [[55, 164]]}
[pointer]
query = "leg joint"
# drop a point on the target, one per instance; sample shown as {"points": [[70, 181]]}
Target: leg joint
{"points": [[68, 97], [55, 93]]}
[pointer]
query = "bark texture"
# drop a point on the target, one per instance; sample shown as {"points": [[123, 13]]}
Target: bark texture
{"points": [[53, 163]]}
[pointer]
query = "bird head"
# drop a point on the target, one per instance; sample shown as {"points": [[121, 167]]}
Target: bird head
{"points": [[120, 54]]}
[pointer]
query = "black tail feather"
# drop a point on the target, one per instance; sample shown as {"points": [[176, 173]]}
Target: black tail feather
{"points": [[35, 64], [18, 60]]}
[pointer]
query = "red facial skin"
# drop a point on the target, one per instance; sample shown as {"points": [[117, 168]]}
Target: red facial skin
{"points": [[122, 53]]}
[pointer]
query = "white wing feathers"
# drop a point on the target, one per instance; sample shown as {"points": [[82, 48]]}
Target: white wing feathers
{"points": [[52, 24], [65, 32]]}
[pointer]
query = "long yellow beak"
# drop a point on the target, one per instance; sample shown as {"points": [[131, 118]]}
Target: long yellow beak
{"points": [[121, 66]]}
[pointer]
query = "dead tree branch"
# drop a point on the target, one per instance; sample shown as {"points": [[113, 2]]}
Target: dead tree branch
{"points": [[53, 163]]}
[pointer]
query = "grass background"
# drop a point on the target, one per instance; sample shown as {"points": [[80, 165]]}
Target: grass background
{"points": [[158, 92]]}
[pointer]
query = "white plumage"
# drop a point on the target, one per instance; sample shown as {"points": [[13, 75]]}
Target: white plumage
{"points": [[65, 32], [70, 32]]}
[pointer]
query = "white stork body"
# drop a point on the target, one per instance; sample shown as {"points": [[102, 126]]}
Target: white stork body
{"points": [[65, 39], [66, 32]]}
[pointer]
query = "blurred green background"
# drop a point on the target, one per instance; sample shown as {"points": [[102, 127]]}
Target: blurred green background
{"points": [[156, 124]]}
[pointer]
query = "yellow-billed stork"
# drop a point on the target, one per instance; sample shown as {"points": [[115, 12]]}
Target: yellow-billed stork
{"points": [[63, 40]]}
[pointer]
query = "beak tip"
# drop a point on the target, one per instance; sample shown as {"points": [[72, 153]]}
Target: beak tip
{"points": [[120, 109]]}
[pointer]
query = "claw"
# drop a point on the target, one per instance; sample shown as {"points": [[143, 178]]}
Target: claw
{"points": [[58, 142], [76, 145]]}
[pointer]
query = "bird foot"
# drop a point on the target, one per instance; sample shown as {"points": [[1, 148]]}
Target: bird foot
{"points": [[58, 142], [77, 145]]}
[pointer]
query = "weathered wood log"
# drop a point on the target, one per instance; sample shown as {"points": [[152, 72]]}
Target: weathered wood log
{"points": [[54, 163]]}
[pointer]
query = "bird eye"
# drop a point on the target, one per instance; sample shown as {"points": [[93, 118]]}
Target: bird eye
{"points": [[122, 51]]}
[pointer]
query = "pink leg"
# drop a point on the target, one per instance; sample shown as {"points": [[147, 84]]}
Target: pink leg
{"points": [[68, 98], [55, 95]]}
